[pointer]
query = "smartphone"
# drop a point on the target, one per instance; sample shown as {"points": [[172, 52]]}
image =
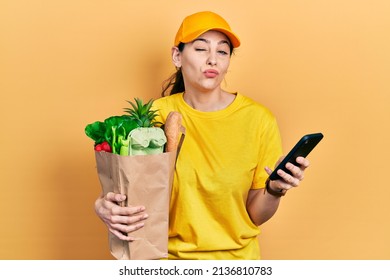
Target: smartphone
{"points": [[304, 146]]}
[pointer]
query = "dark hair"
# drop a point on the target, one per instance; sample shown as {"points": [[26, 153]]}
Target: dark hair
{"points": [[175, 83]]}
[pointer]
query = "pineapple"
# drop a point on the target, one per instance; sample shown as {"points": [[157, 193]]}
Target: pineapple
{"points": [[142, 113], [147, 138]]}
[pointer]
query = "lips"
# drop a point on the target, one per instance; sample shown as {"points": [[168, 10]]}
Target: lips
{"points": [[210, 73]]}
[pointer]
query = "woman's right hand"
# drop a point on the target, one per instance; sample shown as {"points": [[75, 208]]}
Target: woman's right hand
{"points": [[120, 220]]}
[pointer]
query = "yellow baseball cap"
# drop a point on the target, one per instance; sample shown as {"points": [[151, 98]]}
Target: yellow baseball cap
{"points": [[196, 24]]}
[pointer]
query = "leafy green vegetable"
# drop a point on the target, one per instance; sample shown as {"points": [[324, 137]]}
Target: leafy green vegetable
{"points": [[114, 130], [132, 134], [96, 131], [117, 131]]}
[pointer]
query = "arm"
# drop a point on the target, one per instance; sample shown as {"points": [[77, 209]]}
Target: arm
{"points": [[262, 205], [119, 220]]}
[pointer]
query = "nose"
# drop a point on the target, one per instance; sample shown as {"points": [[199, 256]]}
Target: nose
{"points": [[212, 60]]}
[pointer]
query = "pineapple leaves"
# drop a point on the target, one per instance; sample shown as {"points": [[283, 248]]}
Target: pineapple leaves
{"points": [[142, 113]]}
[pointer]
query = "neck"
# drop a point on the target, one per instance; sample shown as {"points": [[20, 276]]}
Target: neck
{"points": [[208, 101]]}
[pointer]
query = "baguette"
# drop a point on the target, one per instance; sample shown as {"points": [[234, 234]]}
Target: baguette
{"points": [[172, 129]]}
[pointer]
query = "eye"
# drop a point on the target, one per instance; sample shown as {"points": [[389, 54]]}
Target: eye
{"points": [[223, 52], [200, 49]]}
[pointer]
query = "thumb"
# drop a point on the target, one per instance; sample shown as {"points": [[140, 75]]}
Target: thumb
{"points": [[268, 170], [120, 197], [115, 197]]}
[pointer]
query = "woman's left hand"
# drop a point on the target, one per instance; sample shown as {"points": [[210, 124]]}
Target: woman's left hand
{"points": [[289, 181]]}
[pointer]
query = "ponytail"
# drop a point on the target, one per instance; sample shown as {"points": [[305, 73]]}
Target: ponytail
{"points": [[175, 83]]}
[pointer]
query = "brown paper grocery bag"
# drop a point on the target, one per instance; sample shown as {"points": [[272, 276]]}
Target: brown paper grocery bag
{"points": [[146, 180]]}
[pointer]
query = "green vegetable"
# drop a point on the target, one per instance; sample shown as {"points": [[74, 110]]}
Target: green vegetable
{"points": [[124, 145], [96, 131], [114, 130], [132, 134]]}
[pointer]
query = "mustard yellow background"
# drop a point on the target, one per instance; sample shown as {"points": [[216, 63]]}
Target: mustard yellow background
{"points": [[320, 66]]}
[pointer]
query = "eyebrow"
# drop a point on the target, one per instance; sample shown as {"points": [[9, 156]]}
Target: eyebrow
{"points": [[208, 41]]}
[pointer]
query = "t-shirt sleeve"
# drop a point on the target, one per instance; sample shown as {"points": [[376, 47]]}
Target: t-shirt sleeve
{"points": [[270, 151], [159, 105]]}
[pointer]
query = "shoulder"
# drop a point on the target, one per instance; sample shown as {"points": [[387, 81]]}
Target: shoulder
{"points": [[167, 101], [254, 107], [166, 104]]}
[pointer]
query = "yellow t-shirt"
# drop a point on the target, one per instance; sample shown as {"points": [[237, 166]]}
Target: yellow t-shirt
{"points": [[223, 156]]}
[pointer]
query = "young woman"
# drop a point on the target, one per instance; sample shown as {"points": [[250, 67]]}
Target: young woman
{"points": [[221, 193]]}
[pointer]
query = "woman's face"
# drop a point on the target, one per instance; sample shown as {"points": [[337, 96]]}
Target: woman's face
{"points": [[204, 61]]}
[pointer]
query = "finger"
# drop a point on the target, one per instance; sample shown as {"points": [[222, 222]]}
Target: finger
{"points": [[118, 234], [128, 220], [126, 211], [296, 171], [268, 170], [115, 197], [131, 228], [287, 181], [280, 184], [124, 230], [303, 162]]}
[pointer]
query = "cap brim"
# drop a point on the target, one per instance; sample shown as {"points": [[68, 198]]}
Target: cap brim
{"points": [[232, 37]]}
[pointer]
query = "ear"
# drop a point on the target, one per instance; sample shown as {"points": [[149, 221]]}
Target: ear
{"points": [[176, 57]]}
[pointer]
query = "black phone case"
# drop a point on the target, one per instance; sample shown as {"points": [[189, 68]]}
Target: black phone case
{"points": [[304, 146]]}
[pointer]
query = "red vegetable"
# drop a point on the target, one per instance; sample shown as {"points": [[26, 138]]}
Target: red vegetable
{"points": [[98, 147], [104, 146]]}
